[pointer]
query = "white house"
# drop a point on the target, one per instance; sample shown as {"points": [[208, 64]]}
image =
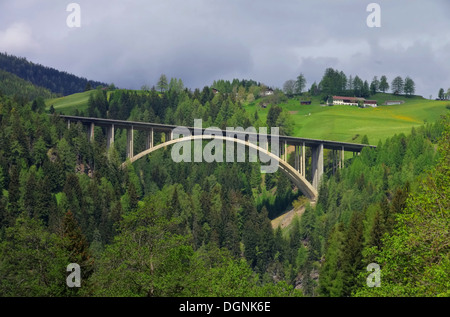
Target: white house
{"points": [[268, 92], [352, 101]]}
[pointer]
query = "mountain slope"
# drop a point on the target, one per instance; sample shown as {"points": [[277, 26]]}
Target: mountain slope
{"points": [[50, 78], [11, 84]]}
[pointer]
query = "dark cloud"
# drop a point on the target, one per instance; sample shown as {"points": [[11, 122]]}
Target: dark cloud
{"points": [[130, 43]]}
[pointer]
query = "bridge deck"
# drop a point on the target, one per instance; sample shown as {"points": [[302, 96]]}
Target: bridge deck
{"points": [[138, 125]]}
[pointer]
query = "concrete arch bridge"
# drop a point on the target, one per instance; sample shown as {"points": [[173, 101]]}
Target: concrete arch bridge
{"points": [[258, 142]]}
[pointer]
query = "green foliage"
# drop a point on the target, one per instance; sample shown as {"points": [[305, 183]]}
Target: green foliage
{"points": [[10, 84], [410, 86], [415, 257], [332, 271], [397, 85], [32, 261], [384, 85], [98, 104], [147, 260], [364, 206], [273, 115], [163, 84]]}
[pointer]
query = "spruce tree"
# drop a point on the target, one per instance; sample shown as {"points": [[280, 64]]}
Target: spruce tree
{"points": [[77, 245], [331, 271], [13, 195], [352, 260]]}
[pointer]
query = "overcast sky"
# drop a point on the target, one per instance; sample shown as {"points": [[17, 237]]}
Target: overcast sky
{"points": [[130, 43]]}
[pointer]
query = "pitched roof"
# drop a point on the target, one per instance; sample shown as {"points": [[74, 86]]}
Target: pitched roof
{"points": [[354, 99], [348, 98]]}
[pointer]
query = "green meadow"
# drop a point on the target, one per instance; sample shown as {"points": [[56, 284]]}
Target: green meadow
{"points": [[350, 123], [69, 104]]}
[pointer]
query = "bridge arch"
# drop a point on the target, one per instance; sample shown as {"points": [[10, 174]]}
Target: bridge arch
{"points": [[299, 180]]}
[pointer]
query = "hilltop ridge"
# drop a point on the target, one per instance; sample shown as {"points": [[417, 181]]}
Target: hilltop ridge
{"points": [[58, 82]]}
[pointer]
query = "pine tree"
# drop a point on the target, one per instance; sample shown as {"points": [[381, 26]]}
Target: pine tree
{"points": [[374, 86], [384, 85], [13, 195], [76, 244], [300, 84], [163, 83], [331, 271], [398, 85], [352, 260], [441, 94], [410, 86], [377, 231]]}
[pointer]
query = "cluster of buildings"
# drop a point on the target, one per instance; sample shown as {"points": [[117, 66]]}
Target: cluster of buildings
{"points": [[352, 101]]}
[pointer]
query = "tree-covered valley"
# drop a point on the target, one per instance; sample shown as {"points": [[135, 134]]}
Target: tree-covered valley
{"points": [[160, 228]]}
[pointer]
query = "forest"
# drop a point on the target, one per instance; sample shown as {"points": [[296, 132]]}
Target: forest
{"points": [[160, 228], [58, 82], [13, 85]]}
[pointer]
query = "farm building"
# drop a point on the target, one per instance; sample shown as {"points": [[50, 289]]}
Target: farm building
{"points": [[393, 102], [353, 101], [268, 92]]}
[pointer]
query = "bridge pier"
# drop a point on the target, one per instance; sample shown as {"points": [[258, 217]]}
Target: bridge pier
{"points": [[130, 145], [303, 161], [283, 151], [300, 159], [169, 135], [149, 140], [317, 165], [110, 136], [338, 158], [91, 131]]}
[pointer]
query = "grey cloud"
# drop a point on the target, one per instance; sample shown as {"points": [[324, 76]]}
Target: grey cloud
{"points": [[131, 43]]}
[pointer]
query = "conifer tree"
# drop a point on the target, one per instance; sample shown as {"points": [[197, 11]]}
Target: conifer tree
{"points": [[377, 231], [384, 85], [331, 272], [77, 245], [352, 260], [13, 195]]}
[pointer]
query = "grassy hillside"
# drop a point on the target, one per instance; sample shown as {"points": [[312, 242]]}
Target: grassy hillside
{"points": [[350, 123], [69, 104]]}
